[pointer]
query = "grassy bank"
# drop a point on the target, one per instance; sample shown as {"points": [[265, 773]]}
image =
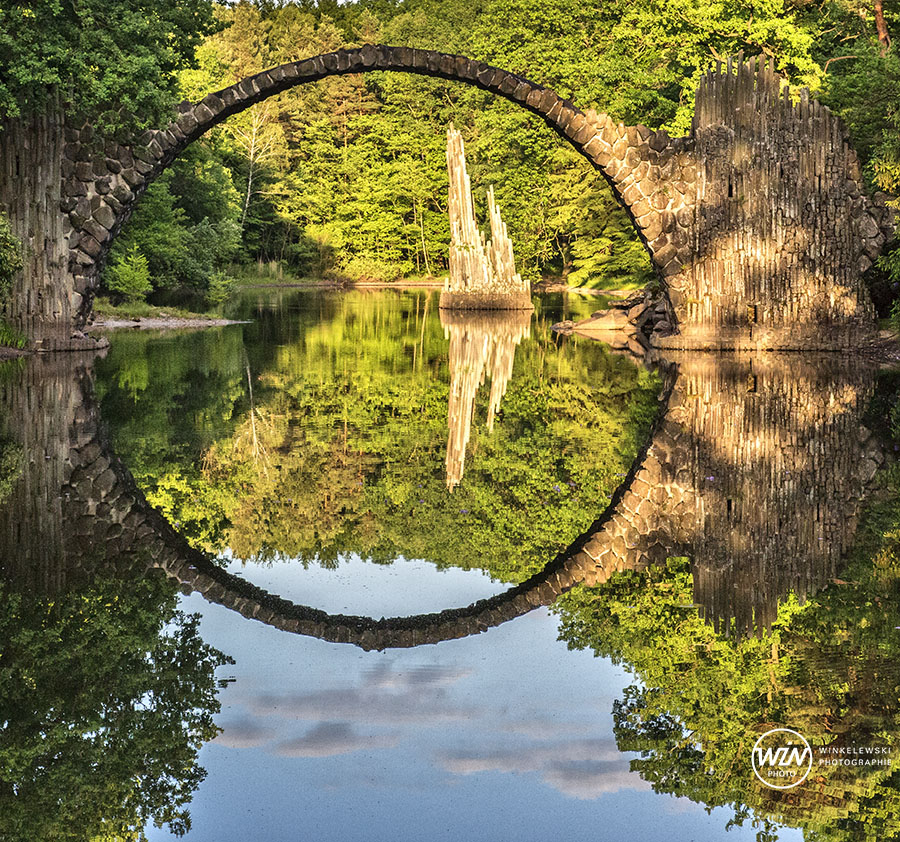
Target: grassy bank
{"points": [[105, 310]]}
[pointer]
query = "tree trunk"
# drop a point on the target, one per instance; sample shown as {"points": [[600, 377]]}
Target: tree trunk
{"points": [[884, 37]]}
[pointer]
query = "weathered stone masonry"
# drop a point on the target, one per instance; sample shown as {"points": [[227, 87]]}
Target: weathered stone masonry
{"points": [[756, 221]]}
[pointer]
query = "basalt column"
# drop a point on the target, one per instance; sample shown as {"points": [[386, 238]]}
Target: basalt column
{"points": [[31, 161], [482, 272], [781, 230]]}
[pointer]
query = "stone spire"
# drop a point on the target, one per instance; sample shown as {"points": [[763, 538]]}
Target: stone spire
{"points": [[482, 272]]}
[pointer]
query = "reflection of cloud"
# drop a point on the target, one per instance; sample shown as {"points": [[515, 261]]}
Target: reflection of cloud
{"points": [[329, 738], [427, 675], [563, 753], [577, 768], [542, 728], [591, 780], [384, 696], [243, 733]]}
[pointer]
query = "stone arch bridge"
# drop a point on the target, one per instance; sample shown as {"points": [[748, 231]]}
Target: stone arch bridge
{"points": [[755, 469], [756, 222]]}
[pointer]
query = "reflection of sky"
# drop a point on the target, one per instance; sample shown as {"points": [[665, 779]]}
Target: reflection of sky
{"points": [[375, 590], [505, 735]]}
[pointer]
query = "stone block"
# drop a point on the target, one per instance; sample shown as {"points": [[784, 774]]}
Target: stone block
{"points": [[187, 123], [658, 141], [534, 98], [123, 194], [90, 245], [640, 208], [132, 177], [95, 230], [105, 216], [659, 200]]}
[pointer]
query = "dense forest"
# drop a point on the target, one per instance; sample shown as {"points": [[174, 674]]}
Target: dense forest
{"points": [[346, 179]]}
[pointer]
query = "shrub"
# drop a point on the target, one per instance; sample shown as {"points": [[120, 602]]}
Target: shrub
{"points": [[370, 269], [11, 337], [220, 288], [130, 276]]}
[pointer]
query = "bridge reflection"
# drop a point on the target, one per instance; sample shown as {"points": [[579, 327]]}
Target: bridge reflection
{"points": [[756, 469]]}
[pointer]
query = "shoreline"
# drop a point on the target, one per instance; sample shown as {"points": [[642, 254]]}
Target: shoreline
{"points": [[162, 323]]}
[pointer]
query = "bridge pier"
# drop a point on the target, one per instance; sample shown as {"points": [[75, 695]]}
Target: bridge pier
{"points": [[43, 303]]}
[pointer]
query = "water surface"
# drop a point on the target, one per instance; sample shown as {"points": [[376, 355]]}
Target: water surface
{"points": [[359, 457]]}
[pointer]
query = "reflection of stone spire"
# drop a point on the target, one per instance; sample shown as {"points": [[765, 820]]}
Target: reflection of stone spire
{"points": [[484, 269], [481, 345]]}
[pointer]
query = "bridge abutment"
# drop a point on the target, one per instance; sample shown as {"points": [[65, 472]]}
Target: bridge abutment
{"points": [[780, 229], [41, 302]]}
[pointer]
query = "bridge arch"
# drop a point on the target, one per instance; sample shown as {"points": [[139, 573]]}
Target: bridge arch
{"points": [[650, 174], [757, 221]]}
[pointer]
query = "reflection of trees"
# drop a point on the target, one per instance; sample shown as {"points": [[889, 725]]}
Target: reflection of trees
{"points": [[482, 344], [106, 691], [828, 668], [106, 696], [352, 415], [170, 398]]}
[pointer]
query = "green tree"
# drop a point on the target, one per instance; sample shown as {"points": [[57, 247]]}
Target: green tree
{"points": [[112, 58], [130, 275], [185, 227]]}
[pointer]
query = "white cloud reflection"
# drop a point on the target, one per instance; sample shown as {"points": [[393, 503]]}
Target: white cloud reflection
{"points": [[330, 738], [406, 701], [584, 769]]}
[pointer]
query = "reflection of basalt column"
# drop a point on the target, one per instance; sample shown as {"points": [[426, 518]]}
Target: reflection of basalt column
{"points": [[756, 473], [74, 510], [481, 345], [45, 416], [482, 272], [779, 463]]}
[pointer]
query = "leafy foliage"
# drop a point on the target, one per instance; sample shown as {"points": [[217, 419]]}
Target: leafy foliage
{"points": [[130, 275], [11, 461], [10, 257], [106, 695], [115, 58], [185, 229]]}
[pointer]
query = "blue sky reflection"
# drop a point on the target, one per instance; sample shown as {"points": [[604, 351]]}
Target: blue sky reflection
{"points": [[504, 735]]}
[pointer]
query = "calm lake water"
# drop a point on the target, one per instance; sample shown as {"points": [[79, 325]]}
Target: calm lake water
{"points": [[203, 532]]}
